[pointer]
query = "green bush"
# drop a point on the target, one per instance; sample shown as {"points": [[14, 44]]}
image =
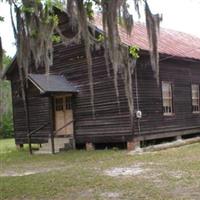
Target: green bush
{"points": [[6, 126]]}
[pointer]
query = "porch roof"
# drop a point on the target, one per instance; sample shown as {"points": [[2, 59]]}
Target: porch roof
{"points": [[52, 83]]}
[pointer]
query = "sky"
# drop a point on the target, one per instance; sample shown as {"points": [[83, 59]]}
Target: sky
{"points": [[181, 15]]}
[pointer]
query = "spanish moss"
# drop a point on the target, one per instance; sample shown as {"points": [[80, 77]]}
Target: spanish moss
{"points": [[36, 24]]}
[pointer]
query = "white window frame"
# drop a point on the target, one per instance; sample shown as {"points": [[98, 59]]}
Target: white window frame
{"points": [[168, 111], [195, 98]]}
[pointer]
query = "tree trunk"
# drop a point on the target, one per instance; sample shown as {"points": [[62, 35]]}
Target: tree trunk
{"points": [[23, 86]]}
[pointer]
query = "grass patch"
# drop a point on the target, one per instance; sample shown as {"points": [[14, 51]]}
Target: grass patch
{"points": [[7, 145], [169, 174]]}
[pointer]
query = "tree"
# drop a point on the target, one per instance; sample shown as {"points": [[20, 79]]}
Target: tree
{"points": [[36, 23], [1, 52], [6, 125]]}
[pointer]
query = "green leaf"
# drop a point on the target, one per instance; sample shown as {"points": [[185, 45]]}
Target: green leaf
{"points": [[100, 38], [56, 39], [134, 51], [26, 9], [89, 9]]}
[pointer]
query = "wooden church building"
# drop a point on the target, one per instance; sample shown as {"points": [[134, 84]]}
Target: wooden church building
{"points": [[59, 105]]}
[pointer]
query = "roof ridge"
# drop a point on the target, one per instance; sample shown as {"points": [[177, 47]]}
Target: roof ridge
{"points": [[171, 42], [144, 24]]}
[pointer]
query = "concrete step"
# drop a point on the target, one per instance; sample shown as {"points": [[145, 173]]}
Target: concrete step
{"points": [[44, 152], [60, 144]]}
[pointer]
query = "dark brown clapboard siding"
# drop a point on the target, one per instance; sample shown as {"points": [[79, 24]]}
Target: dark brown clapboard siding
{"points": [[38, 113], [181, 74], [111, 122]]}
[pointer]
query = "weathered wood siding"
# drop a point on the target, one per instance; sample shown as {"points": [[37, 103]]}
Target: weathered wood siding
{"points": [[111, 124], [38, 113], [181, 74]]}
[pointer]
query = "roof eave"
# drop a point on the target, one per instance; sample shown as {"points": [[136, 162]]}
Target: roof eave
{"points": [[42, 91], [9, 68]]}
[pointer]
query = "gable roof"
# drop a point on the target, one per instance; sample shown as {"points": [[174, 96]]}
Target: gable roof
{"points": [[51, 83], [171, 42]]}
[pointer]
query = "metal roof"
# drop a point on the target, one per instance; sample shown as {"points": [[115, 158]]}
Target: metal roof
{"points": [[51, 83], [171, 42]]}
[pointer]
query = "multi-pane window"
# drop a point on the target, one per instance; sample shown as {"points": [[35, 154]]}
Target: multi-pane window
{"points": [[59, 104], [195, 98], [167, 98], [68, 101], [63, 103]]}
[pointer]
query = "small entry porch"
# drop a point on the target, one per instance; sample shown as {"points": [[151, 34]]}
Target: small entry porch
{"points": [[61, 94]]}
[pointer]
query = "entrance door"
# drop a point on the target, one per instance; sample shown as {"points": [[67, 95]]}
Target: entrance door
{"points": [[63, 115]]}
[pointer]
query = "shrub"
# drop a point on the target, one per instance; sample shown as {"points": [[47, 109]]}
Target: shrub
{"points": [[6, 126]]}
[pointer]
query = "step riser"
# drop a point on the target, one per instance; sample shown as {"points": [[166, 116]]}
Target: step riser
{"points": [[60, 144]]}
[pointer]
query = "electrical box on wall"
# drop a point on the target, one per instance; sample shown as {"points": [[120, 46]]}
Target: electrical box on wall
{"points": [[138, 114]]}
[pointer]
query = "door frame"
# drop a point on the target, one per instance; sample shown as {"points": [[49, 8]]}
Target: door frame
{"points": [[64, 108]]}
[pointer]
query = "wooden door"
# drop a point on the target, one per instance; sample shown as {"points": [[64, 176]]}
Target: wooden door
{"points": [[68, 115], [63, 115]]}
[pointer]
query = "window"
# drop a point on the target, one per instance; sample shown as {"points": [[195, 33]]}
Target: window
{"points": [[195, 98], [167, 98], [59, 104], [68, 102]]}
